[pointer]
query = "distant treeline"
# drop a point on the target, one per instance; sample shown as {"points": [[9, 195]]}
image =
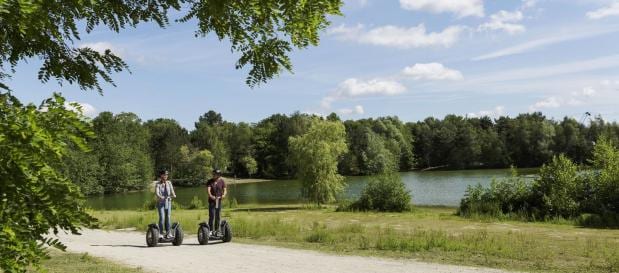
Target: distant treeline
{"points": [[126, 152]]}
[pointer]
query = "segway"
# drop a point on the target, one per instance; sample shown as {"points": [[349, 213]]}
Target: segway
{"points": [[152, 235], [223, 233]]}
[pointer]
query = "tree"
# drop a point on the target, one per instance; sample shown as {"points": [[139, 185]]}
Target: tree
{"points": [[83, 168], [558, 187], [166, 138], [606, 182], [35, 196], [315, 155], [123, 151]]}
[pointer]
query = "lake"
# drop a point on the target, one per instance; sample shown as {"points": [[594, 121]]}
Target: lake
{"points": [[444, 188]]}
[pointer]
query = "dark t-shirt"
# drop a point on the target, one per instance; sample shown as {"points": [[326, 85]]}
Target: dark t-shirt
{"points": [[217, 187]]}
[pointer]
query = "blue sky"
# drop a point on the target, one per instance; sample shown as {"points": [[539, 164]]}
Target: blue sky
{"points": [[410, 58]]}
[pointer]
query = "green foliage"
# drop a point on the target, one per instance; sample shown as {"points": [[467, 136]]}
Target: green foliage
{"points": [[166, 139], [384, 192], [511, 196], [377, 146], [232, 203], [263, 32], [35, 196], [315, 155], [560, 191], [271, 143], [82, 168], [123, 151], [196, 203], [606, 182], [250, 165], [558, 188]]}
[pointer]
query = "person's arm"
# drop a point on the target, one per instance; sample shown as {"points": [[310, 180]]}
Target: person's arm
{"points": [[158, 192], [210, 195], [172, 189], [225, 189]]}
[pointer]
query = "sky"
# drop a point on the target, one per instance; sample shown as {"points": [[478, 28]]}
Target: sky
{"points": [[409, 58]]}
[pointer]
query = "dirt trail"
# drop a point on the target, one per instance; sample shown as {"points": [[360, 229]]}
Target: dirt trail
{"points": [[126, 247]]}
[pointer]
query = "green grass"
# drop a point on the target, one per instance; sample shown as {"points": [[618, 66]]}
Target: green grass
{"points": [[429, 234], [62, 262]]}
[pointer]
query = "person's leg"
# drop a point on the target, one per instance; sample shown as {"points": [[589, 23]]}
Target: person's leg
{"points": [[160, 211], [217, 216], [168, 213], [211, 215]]}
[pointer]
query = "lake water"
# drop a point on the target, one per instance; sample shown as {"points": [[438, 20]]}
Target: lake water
{"points": [[444, 188]]}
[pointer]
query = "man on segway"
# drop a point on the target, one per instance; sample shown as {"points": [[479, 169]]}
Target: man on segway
{"points": [[216, 189], [164, 192]]}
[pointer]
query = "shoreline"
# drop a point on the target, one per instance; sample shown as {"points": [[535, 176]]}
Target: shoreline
{"points": [[231, 180]]}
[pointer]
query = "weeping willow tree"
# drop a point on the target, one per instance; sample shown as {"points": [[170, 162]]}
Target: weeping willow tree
{"points": [[316, 155]]}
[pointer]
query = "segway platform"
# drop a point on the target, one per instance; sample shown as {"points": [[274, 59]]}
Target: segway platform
{"points": [[223, 234], [153, 238]]}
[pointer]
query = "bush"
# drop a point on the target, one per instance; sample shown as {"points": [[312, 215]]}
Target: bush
{"points": [[558, 188], [196, 203], [605, 179], [384, 192], [232, 203]]}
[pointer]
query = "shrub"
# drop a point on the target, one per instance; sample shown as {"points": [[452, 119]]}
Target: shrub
{"points": [[511, 195], [605, 179], [196, 203], [385, 192], [558, 187]]}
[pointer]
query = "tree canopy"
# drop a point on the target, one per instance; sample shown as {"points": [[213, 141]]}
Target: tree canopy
{"points": [[263, 32]]}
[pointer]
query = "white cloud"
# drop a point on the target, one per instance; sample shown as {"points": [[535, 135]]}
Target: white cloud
{"points": [[588, 92], [358, 110], [612, 10], [87, 109], [432, 71], [504, 20], [462, 8], [102, 46], [540, 43], [352, 88], [550, 102], [575, 99], [358, 3], [399, 37], [494, 113], [528, 4]]}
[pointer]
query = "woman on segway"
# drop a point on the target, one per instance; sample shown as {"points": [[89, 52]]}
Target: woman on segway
{"points": [[164, 192], [216, 189]]}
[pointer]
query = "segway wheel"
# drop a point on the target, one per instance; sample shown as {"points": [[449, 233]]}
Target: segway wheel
{"points": [[152, 236], [203, 235], [178, 236], [227, 232]]}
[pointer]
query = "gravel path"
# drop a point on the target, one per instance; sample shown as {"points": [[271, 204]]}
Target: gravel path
{"points": [[129, 247]]}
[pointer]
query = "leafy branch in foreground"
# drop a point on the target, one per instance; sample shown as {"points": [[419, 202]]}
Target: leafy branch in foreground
{"points": [[35, 197], [262, 31]]}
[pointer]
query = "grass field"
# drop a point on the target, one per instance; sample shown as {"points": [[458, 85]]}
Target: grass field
{"points": [[428, 234]]}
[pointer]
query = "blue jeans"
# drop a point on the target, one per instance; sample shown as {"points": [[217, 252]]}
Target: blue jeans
{"points": [[213, 216], [164, 209]]}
